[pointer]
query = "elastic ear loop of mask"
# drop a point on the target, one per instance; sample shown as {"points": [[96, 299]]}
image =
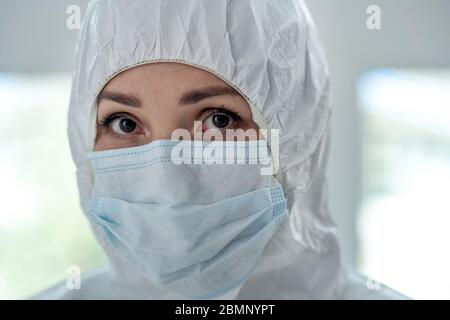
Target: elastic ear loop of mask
{"points": [[256, 114]]}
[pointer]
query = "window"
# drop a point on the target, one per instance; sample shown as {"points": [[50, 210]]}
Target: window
{"points": [[404, 217], [42, 228]]}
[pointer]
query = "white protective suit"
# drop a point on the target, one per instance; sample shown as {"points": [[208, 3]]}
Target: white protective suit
{"points": [[270, 52]]}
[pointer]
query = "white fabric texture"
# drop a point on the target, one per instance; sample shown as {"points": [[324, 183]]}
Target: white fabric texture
{"points": [[269, 50]]}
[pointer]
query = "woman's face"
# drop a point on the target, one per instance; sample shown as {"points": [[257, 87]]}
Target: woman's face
{"points": [[149, 102]]}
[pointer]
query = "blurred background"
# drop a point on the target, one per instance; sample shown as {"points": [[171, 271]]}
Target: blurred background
{"points": [[389, 166]]}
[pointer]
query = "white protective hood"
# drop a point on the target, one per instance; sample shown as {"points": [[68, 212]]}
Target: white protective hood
{"points": [[270, 52]]}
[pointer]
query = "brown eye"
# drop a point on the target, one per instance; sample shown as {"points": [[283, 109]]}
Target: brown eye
{"points": [[219, 120], [123, 126]]}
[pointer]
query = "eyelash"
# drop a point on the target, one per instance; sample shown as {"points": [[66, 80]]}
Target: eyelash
{"points": [[105, 123], [225, 110]]}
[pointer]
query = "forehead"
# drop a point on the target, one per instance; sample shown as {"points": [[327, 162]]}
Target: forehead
{"points": [[163, 75]]}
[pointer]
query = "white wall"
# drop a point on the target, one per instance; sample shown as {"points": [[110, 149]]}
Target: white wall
{"points": [[34, 37]]}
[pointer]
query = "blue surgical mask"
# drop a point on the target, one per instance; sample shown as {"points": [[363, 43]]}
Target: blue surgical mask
{"points": [[197, 228]]}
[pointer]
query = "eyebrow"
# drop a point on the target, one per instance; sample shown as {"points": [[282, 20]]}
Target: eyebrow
{"points": [[198, 95], [121, 98], [187, 98]]}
